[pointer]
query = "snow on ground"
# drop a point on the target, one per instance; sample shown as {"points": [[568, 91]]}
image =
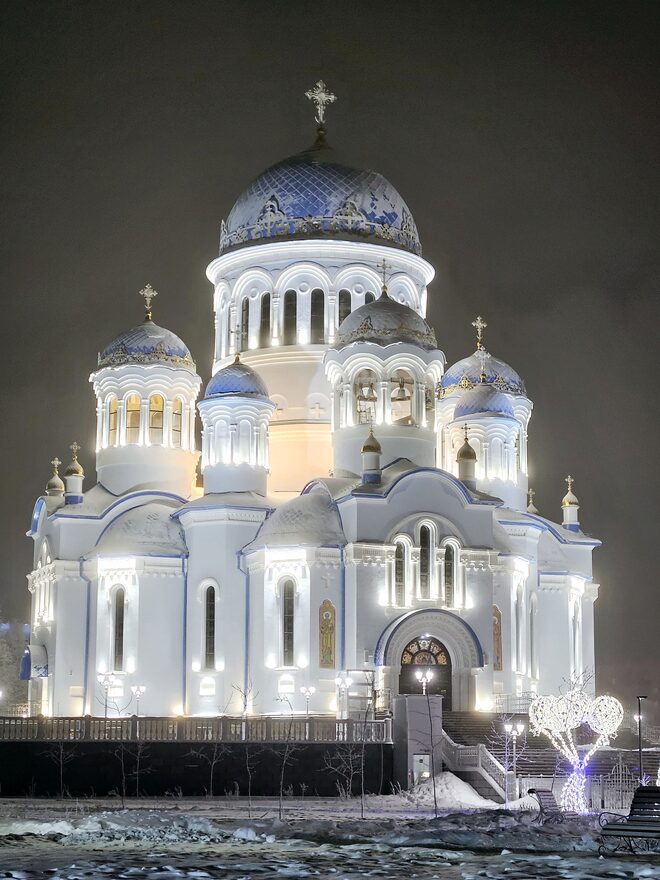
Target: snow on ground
{"points": [[223, 837]]}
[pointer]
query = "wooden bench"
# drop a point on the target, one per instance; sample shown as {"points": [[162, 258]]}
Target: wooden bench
{"points": [[549, 809], [640, 829]]}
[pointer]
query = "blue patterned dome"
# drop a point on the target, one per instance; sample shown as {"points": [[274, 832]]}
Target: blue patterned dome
{"points": [[146, 344], [465, 374], [312, 195], [483, 400], [237, 379], [383, 322]]}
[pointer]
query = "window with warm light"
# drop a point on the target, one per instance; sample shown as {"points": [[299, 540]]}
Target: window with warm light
{"points": [[112, 421], [156, 410], [133, 419], [177, 423]]}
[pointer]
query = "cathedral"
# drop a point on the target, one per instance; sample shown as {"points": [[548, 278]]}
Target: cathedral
{"points": [[358, 523]]}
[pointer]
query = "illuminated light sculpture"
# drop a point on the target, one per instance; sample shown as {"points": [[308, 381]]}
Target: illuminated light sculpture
{"points": [[558, 717]]}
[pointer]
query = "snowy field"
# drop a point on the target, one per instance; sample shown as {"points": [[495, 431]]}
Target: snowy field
{"points": [[399, 838]]}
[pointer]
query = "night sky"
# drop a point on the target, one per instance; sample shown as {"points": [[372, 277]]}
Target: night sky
{"points": [[524, 137]]}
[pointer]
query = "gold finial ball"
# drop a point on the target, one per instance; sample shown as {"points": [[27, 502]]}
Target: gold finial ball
{"points": [[569, 499], [371, 444], [55, 485]]}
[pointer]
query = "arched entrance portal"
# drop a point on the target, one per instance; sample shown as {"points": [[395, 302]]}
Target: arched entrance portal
{"points": [[426, 654]]}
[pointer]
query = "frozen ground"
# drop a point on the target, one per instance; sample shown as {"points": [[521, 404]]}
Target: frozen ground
{"points": [[399, 838]]}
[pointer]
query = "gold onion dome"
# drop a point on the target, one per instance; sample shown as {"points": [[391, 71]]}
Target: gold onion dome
{"points": [[55, 485], [570, 499], [466, 452], [371, 444], [74, 468]]}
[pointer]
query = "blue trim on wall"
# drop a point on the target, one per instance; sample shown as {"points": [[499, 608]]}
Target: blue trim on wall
{"points": [[36, 513], [122, 500], [545, 526], [87, 628], [381, 650]]}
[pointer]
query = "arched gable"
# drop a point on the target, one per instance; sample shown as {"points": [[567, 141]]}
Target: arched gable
{"points": [[459, 637]]}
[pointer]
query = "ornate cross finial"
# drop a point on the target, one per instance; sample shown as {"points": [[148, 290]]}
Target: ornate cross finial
{"points": [[55, 463], [530, 496], [321, 96], [75, 449], [465, 429], [479, 325], [569, 480], [383, 266], [148, 293], [482, 357]]}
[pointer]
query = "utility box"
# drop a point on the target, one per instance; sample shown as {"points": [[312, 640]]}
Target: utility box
{"points": [[417, 735]]}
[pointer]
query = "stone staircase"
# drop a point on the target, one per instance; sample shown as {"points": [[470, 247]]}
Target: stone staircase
{"points": [[538, 757]]}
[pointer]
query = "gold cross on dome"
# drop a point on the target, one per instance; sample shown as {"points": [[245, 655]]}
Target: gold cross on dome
{"points": [[383, 266], [55, 463], [148, 294], [321, 96], [465, 428], [482, 356], [530, 496], [75, 449], [480, 325], [569, 479]]}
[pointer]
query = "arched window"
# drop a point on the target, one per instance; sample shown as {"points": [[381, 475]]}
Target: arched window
{"points": [[112, 421], [243, 341], [533, 662], [133, 419], [400, 574], [450, 575], [519, 626], [365, 396], [290, 319], [209, 628], [156, 409], [177, 422], [425, 551], [264, 324], [288, 609], [344, 304], [369, 298], [118, 629], [317, 318], [402, 391], [497, 639]]}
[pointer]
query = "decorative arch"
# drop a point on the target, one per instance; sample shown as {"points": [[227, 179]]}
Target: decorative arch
{"points": [[457, 637]]}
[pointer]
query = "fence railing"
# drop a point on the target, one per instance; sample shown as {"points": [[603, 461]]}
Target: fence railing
{"points": [[280, 729], [512, 704]]}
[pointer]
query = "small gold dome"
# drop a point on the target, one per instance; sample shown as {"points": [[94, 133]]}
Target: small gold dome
{"points": [[570, 499], [74, 468], [55, 485], [371, 444], [466, 452]]}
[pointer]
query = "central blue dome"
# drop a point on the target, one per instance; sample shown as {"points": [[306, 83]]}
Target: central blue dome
{"points": [[312, 195]]}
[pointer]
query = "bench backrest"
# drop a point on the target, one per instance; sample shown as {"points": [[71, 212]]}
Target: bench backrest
{"points": [[646, 803]]}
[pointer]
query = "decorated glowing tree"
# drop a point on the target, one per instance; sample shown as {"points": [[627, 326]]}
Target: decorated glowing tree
{"points": [[558, 718]]}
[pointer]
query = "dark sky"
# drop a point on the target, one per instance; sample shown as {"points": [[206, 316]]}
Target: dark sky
{"points": [[524, 137]]}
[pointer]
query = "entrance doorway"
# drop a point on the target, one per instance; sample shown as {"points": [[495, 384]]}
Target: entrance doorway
{"points": [[426, 654]]}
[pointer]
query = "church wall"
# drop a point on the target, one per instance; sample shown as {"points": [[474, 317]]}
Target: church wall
{"points": [[66, 657]]}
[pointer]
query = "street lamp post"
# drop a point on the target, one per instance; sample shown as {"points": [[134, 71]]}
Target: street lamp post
{"points": [[137, 690], [343, 682], [511, 732], [424, 678], [106, 680], [308, 693], [638, 719]]}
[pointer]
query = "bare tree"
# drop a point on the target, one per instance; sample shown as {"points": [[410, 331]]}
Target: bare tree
{"points": [[60, 755], [212, 756], [287, 753], [345, 763], [367, 710], [252, 757]]}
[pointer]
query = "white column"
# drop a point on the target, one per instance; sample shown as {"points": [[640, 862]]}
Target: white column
{"points": [[143, 434]]}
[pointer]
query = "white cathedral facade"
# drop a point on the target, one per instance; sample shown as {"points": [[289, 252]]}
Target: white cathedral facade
{"points": [[358, 511]]}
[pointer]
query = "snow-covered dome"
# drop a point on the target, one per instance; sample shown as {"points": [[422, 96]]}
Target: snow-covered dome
{"points": [[483, 399], [146, 344], [148, 530], [385, 321], [313, 195], [307, 520], [466, 373], [236, 379]]}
